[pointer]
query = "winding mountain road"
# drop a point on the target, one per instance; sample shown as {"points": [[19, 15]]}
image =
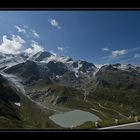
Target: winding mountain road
{"points": [[131, 126]]}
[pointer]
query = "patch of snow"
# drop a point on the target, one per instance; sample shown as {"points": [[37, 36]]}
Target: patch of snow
{"points": [[9, 60], [79, 65], [15, 82], [76, 70], [81, 71], [100, 65], [56, 58], [12, 64], [58, 76], [9, 63], [95, 110], [123, 67], [32, 54], [76, 75], [70, 62], [18, 104], [94, 73]]}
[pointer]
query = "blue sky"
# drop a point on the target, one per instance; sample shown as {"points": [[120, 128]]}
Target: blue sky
{"points": [[95, 36]]}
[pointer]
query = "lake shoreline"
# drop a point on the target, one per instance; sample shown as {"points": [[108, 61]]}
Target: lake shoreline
{"points": [[73, 118]]}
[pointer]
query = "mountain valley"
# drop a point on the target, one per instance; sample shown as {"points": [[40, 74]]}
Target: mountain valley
{"points": [[33, 88]]}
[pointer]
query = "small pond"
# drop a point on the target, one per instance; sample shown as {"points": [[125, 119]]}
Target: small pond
{"points": [[73, 118]]}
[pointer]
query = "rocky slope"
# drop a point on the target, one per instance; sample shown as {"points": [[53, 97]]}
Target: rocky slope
{"points": [[118, 85], [17, 110]]}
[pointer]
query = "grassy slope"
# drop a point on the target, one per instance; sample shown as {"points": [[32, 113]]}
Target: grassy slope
{"points": [[117, 89]]}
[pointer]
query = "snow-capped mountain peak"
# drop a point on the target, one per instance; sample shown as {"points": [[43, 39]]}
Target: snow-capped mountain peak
{"points": [[56, 58], [9, 60], [40, 56]]}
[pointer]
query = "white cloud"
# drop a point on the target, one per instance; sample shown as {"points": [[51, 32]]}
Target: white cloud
{"points": [[35, 47], [54, 23], [61, 49], [20, 29], [12, 46], [105, 49], [136, 55], [119, 56], [35, 33], [117, 53]]}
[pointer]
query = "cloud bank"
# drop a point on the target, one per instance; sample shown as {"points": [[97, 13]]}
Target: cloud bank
{"points": [[11, 46], [35, 47], [117, 53], [105, 49]]}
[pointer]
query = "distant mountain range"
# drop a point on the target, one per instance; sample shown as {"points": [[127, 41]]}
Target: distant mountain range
{"points": [[49, 80]]}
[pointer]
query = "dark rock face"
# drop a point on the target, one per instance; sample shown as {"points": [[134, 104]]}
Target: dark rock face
{"points": [[75, 64], [6, 92], [117, 65], [69, 79], [62, 100], [8, 96], [29, 71], [58, 68], [87, 66]]}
